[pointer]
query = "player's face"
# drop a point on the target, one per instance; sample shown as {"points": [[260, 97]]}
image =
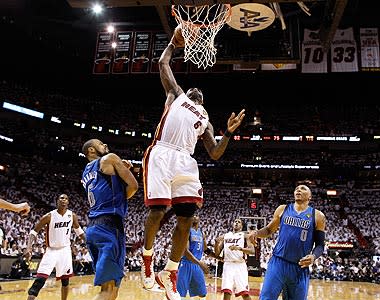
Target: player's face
{"points": [[302, 193], [101, 148], [195, 221], [238, 225], [63, 201], [195, 95]]}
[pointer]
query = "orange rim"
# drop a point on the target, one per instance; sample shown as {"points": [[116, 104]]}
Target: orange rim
{"points": [[213, 24]]}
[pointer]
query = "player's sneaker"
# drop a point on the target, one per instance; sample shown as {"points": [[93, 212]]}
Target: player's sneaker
{"points": [[168, 281], [147, 272]]}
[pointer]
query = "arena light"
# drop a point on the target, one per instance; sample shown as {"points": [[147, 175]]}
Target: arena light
{"points": [[331, 192], [110, 28], [256, 191], [5, 138], [23, 110], [55, 120], [97, 8]]}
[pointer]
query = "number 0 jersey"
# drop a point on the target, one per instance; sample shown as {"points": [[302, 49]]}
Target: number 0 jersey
{"points": [[295, 239]]}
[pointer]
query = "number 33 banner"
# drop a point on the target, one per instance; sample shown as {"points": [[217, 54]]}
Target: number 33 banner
{"points": [[344, 54]]}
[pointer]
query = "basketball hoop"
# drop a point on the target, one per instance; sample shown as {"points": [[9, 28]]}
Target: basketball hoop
{"points": [[199, 25]]}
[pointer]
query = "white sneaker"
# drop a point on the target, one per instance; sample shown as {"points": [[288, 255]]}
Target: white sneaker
{"points": [[147, 272], [168, 281]]}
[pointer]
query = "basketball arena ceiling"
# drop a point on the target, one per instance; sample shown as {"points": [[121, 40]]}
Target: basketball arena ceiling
{"points": [[327, 15], [60, 20]]}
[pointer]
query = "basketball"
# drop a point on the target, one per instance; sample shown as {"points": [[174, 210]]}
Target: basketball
{"points": [[178, 39]]}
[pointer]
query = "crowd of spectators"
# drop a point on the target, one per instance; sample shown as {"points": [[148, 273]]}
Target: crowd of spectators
{"points": [[43, 162], [214, 221]]}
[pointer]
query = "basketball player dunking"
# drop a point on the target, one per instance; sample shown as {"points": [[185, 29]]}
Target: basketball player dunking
{"points": [[171, 175]]}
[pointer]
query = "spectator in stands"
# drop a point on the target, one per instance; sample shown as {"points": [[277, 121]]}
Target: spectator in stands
{"points": [[20, 267], [301, 226]]}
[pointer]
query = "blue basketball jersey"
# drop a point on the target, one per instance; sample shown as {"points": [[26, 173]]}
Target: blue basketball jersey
{"points": [[105, 193], [295, 238], [195, 244]]}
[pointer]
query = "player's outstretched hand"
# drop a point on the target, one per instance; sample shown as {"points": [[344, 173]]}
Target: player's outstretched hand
{"points": [[234, 121]]}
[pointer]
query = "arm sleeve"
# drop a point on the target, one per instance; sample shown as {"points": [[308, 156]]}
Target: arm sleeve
{"points": [[319, 240]]}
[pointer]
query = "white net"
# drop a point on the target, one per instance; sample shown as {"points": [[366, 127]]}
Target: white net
{"points": [[200, 25]]}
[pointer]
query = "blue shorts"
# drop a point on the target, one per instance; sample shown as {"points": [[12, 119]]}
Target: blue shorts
{"points": [[107, 248], [284, 276], [191, 278]]}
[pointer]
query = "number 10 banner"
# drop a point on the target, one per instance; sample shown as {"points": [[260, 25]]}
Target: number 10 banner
{"points": [[314, 59]]}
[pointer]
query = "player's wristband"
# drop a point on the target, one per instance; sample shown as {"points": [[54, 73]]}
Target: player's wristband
{"points": [[227, 133], [171, 45]]}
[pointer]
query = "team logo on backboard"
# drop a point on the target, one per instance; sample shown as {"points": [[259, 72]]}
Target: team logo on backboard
{"points": [[251, 17]]}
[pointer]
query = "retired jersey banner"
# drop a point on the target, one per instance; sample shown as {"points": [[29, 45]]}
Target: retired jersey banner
{"points": [[103, 54], [160, 41], [141, 52], [344, 54], [369, 46], [122, 56], [314, 59]]}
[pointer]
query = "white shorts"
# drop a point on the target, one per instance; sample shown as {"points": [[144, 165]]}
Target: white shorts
{"points": [[58, 258], [170, 176], [235, 278]]}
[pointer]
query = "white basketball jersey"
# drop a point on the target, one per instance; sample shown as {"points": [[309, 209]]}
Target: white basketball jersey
{"points": [[182, 123], [237, 239], [314, 58], [59, 232], [344, 51]]}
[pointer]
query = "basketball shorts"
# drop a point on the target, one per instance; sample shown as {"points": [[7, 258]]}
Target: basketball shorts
{"points": [[190, 278], [285, 276], [171, 176], [107, 249], [235, 278], [58, 258]]}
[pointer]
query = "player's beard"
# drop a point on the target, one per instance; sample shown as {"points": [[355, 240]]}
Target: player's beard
{"points": [[100, 154]]}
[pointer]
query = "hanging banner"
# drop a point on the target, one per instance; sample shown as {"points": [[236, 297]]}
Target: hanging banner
{"points": [[344, 54], [160, 41], [369, 46], [141, 52], [103, 54], [314, 59], [121, 59]]}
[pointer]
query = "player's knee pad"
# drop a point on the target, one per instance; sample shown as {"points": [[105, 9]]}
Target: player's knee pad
{"points": [[185, 209], [36, 286], [65, 281]]}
